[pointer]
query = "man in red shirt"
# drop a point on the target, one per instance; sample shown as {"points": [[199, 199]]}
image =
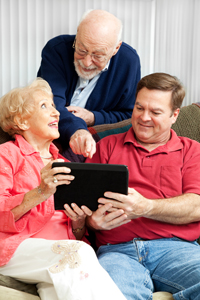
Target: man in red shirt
{"points": [[148, 237]]}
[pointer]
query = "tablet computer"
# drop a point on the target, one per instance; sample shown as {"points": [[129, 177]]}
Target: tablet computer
{"points": [[90, 183]]}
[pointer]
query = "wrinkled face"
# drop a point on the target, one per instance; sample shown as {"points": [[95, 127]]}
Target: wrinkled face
{"points": [[43, 123], [152, 116], [92, 53]]}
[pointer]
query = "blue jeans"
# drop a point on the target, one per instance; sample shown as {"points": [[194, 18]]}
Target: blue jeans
{"points": [[140, 267]]}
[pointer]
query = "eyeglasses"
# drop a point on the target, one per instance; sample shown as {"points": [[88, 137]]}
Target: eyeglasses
{"points": [[96, 58]]}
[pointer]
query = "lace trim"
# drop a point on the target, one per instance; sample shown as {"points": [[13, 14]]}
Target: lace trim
{"points": [[71, 255]]}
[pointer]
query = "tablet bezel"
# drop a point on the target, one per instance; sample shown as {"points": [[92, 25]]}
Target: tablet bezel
{"points": [[87, 177]]}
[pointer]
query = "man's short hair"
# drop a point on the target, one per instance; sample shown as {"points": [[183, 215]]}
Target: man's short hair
{"points": [[164, 82]]}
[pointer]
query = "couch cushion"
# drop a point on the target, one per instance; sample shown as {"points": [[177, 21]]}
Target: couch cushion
{"points": [[188, 122], [10, 282], [11, 294], [162, 296]]}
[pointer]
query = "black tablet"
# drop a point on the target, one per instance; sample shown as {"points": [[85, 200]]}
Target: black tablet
{"points": [[90, 183]]}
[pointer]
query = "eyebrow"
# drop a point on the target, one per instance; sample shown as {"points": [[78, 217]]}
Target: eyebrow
{"points": [[99, 50], [45, 99], [154, 109]]}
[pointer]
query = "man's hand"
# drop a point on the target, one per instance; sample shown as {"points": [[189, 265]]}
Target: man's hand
{"points": [[134, 204], [82, 113], [82, 142], [102, 220]]}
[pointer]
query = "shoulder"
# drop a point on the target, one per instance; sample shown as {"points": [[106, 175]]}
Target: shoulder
{"points": [[9, 153], [128, 52], [64, 39], [189, 143], [7, 145], [126, 60], [112, 140]]}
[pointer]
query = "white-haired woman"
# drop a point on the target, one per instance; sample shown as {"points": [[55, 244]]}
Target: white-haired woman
{"points": [[38, 244]]}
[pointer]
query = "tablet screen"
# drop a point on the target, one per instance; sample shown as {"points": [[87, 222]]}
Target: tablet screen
{"points": [[90, 183]]}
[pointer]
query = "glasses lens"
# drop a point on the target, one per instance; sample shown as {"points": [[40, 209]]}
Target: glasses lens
{"points": [[95, 58]]}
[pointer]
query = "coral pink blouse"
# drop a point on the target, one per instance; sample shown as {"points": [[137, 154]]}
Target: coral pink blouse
{"points": [[20, 167]]}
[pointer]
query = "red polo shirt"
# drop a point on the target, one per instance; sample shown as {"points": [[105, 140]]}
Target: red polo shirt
{"points": [[167, 171]]}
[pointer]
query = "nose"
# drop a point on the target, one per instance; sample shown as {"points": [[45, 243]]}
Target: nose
{"points": [[55, 112], [87, 60], [145, 116]]}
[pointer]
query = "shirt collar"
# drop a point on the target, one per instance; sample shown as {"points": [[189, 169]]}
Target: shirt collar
{"points": [[27, 149], [172, 145], [106, 67]]}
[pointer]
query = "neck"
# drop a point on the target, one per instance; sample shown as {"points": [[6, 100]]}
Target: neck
{"points": [[151, 146], [40, 145]]}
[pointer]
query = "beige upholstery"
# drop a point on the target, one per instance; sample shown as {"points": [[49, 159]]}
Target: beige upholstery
{"points": [[162, 296], [11, 294]]}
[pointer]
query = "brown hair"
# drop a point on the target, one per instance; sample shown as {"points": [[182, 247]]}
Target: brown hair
{"points": [[20, 102], [164, 82]]}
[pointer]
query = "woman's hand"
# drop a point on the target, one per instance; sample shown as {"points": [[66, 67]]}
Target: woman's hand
{"points": [[50, 178], [49, 181], [78, 216]]}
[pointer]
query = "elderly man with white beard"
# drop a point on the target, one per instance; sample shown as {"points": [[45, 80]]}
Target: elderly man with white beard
{"points": [[93, 76]]}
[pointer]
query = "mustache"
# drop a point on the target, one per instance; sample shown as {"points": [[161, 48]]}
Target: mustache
{"points": [[87, 68]]}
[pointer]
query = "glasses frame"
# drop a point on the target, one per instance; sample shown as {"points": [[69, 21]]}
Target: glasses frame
{"points": [[94, 57]]}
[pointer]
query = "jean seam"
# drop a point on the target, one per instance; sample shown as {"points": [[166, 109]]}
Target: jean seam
{"points": [[167, 282]]}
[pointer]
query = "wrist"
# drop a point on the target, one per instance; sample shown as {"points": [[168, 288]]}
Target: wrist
{"points": [[78, 229]]}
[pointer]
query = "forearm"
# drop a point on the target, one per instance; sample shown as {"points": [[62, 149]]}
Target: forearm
{"points": [[179, 210], [31, 199], [103, 117]]}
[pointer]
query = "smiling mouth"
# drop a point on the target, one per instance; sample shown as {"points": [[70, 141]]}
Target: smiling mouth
{"points": [[88, 70], [54, 124], [145, 125]]}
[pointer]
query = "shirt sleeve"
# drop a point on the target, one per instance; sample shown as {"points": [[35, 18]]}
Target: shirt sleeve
{"points": [[8, 201], [191, 167]]}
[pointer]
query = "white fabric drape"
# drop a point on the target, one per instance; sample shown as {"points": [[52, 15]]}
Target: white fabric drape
{"points": [[164, 33]]}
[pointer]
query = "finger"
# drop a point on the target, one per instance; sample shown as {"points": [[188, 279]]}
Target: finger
{"points": [[115, 215], [86, 210], [58, 170], [116, 221], [113, 225], [89, 147], [71, 108], [115, 203], [55, 160], [70, 213], [77, 209], [93, 150], [102, 210], [62, 181], [112, 209], [115, 196], [75, 145]]}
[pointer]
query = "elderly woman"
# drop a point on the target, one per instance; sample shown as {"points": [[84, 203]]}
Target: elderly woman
{"points": [[37, 243]]}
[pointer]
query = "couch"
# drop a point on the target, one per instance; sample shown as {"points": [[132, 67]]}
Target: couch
{"points": [[187, 124]]}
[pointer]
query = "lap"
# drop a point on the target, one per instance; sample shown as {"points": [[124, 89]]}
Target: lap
{"points": [[171, 265], [179, 268], [66, 269]]}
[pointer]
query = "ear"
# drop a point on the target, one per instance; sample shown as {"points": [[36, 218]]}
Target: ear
{"points": [[175, 115], [117, 48], [22, 124]]}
